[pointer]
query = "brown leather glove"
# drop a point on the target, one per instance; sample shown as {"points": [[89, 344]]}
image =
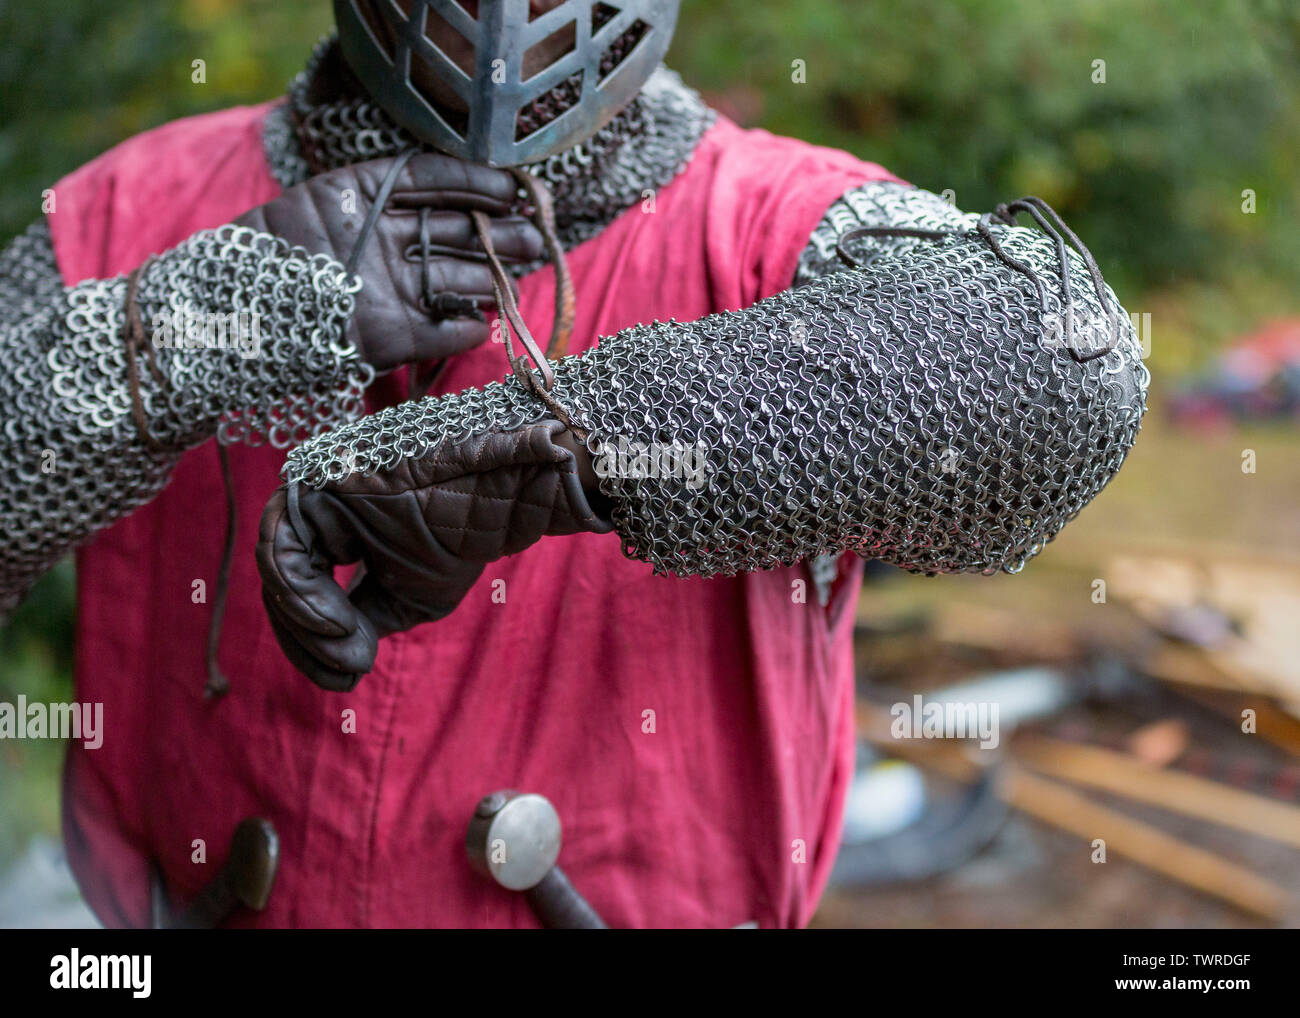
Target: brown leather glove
{"points": [[424, 531], [425, 282]]}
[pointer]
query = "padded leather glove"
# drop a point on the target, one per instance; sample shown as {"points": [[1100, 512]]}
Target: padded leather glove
{"points": [[424, 530], [424, 279]]}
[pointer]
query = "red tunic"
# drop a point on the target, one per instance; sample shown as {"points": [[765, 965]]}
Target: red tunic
{"points": [[725, 809]]}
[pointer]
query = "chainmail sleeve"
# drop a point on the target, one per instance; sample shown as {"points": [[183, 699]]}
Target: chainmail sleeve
{"points": [[879, 203], [945, 394], [246, 339]]}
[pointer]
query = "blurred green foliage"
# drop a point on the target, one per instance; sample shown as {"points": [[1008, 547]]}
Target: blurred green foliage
{"points": [[994, 99], [79, 76], [989, 98]]}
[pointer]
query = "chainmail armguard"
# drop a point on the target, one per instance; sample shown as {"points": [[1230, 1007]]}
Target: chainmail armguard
{"points": [[75, 460], [879, 203], [924, 410]]}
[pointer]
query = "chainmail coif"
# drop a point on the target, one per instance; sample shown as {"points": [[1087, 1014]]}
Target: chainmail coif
{"points": [[328, 123]]}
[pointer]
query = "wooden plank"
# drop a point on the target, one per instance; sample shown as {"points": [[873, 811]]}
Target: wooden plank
{"points": [[1063, 807], [985, 628], [1183, 793], [1149, 846]]}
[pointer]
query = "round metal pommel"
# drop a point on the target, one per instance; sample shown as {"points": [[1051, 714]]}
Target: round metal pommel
{"points": [[514, 839]]}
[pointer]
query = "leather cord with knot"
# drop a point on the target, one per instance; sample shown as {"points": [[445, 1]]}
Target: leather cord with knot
{"points": [[565, 307], [542, 381], [1052, 224]]}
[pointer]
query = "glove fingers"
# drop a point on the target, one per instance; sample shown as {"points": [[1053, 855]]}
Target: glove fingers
{"points": [[453, 276], [440, 181], [449, 337], [305, 594], [515, 239], [333, 664], [411, 575], [316, 625], [389, 611], [448, 328]]}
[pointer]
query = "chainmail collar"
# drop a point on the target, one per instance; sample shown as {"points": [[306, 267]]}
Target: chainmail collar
{"points": [[328, 122]]}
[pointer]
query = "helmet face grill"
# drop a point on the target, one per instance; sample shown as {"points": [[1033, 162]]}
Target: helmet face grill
{"points": [[504, 85]]}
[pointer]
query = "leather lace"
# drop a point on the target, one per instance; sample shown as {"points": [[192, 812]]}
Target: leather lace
{"points": [[1052, 224], [541, 381]]}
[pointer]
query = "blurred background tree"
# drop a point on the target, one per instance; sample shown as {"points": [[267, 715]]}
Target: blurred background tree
{"points": [[992, 99]]}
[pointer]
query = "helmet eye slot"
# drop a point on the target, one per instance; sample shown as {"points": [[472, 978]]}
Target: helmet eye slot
{"points": [[542, 55], [509, 82]]}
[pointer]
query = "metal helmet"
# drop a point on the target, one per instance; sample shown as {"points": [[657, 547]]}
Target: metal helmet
{"points": [[504, 82]]}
